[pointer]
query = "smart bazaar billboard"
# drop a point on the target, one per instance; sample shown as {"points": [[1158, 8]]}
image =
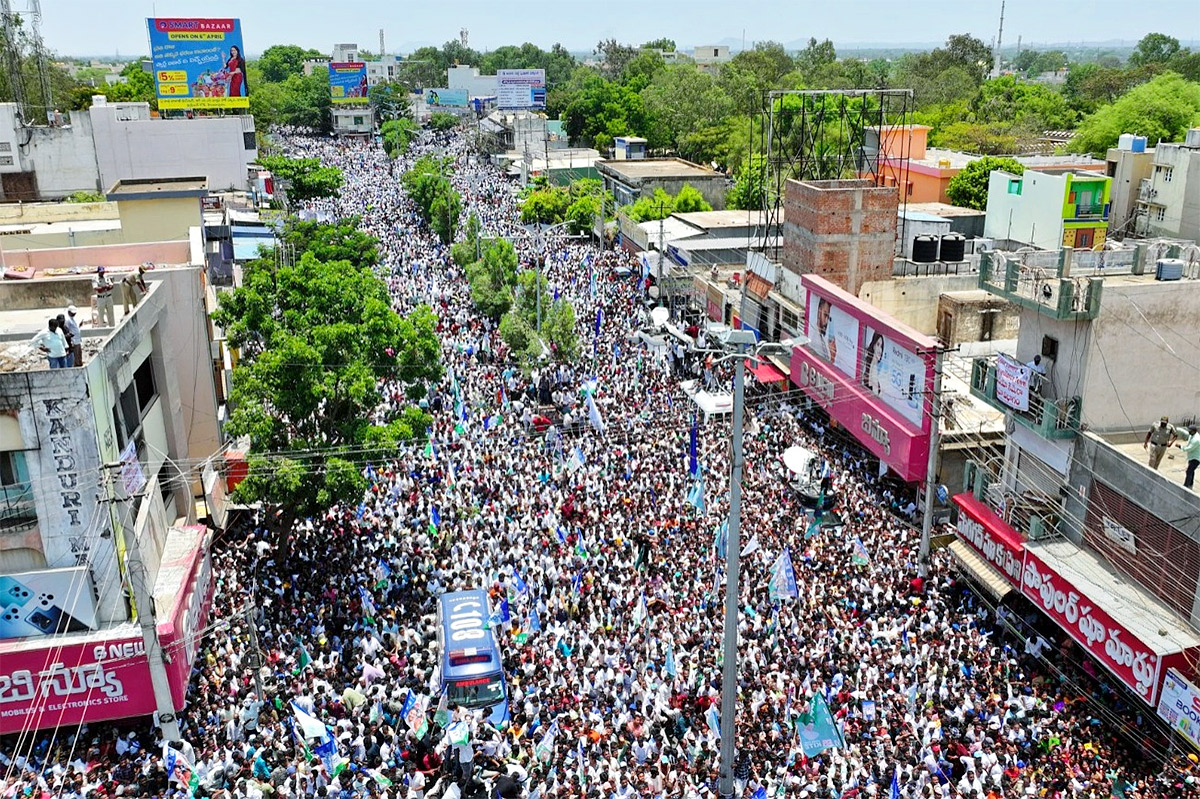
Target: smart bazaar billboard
{"points": [[871, 373], [198, 63], [348, 81]]}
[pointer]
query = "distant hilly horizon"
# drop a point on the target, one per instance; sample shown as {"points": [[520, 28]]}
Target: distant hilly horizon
{"points": [[735, 45]]}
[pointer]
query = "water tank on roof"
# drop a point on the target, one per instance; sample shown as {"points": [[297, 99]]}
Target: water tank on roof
{"points": [[954, 247], [1125, 142], [925, 249], [1139, 144], [1169, 269]]}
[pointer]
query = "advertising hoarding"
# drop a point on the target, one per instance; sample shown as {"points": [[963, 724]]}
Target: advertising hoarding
{"points": [[886, 412], [521, 88], [1179, 706], [833, 334], [198, 63], [348, 81], [1012, 382], [446, 98], [893, 373], [47, 602]]}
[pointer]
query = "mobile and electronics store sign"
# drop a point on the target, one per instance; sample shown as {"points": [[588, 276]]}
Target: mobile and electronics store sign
{"points": [[348, 81], [521, 88], [198, 63]]}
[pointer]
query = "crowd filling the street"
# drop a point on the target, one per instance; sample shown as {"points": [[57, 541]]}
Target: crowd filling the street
{"points": [[589, 500]]}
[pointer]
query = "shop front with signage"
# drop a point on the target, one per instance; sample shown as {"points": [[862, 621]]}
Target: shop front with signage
{"points": [[1124, 627]]}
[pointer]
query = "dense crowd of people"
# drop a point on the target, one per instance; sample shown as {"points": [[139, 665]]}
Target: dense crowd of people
{"points": [[606, 549]]}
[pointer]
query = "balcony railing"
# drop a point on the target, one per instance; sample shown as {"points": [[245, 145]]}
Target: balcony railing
{"points": [[1088, 211], [1043, 289], [1049, 418], [1033, 514]]}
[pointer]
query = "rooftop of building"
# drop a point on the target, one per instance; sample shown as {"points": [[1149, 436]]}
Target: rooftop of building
{"points": [[641, 169], [956, 159], [45, 296], [943, 210], [155, 188], [716, 220]]}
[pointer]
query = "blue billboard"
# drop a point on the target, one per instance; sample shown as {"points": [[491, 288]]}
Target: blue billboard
{"points": [[198, 63], [446, 98], [348, 81]]}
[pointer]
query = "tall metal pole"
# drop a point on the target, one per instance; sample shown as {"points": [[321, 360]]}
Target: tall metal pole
{"points": [[137, 575], [729, 672], [935, 443]]}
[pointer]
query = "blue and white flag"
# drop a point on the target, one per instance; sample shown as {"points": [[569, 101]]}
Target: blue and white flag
{"points": [[639, 612], [522, 588], [576, 461], [719, 542], [505, 613], [713, 716], [868, 710], [671, 668], [368, 603], [695, 495], [594, 415], [535, 621], [896, 783], [312, 727], [783, 578]]}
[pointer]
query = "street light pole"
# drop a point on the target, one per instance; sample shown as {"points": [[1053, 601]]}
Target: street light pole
{"points": [[729, 672], [935, 443]]}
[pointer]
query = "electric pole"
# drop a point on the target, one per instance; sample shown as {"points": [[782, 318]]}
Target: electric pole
{"points": [[135, 573], [931, 469]]}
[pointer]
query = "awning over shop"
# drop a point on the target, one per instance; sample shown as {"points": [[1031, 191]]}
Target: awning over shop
{"points": [[765, 372], [1124, 626], [979, 570]]}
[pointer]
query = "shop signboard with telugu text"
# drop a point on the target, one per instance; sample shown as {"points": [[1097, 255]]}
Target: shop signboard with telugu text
{"points": [[1117, 649], [347, 82], [68, 684], [198, 63], [996, 542]]}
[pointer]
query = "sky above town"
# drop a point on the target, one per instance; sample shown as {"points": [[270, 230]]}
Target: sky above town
{"points": [[107, 27]]}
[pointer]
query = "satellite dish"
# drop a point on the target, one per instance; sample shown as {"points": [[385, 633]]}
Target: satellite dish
{"points": [[659, 316]]}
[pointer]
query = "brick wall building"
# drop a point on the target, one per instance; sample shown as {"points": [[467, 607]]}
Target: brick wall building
{"points": [[842, 230]]}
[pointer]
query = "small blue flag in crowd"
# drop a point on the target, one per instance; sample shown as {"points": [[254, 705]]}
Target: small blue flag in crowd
{"points": [[783, 578], [522, 588]]}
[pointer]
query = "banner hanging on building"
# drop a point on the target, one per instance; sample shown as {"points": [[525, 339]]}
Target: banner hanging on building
{"points": [[198, 63], [348, 81], [1012, 383], [1179, 706]]}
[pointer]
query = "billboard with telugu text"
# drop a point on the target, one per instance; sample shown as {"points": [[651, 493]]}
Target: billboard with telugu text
{"points": [[198, 63], [446, 98], [521, 88], [348, 81]]}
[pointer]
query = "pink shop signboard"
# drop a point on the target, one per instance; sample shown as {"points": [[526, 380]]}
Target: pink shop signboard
{"points": [[91, 681], [1118, 650]]}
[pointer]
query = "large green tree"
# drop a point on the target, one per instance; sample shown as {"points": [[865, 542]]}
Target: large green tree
{"points": [[306, 178], [492, 279], [688, 109], [1162, 109], [279, 61], [316, 338], [604, 108], [969, 188], [1154, 48]]}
